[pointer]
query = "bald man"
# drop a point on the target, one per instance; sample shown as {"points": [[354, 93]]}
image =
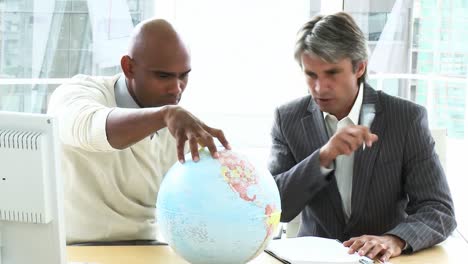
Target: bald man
{"points": [[119, 135]]}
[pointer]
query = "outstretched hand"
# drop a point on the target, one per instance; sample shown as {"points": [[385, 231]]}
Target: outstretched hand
{"points": [[384, 247], [185, 126]]}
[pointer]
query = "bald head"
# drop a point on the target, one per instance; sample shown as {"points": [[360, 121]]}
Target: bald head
{"points": [[153, 34], [157, 65]]}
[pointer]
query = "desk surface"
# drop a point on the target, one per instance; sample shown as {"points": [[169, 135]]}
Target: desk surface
{"points": [[137, 255], [453, 250]]}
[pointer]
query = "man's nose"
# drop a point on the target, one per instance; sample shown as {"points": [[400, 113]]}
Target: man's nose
{"points": [[176, 86], [319, 84]]}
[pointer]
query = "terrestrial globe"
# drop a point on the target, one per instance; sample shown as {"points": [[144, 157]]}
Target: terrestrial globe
{"points": [[218, 211]]}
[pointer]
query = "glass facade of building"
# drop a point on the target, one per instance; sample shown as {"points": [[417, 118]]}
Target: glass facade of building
{"points": [[55, 39], [49, 39], [440, 47]]}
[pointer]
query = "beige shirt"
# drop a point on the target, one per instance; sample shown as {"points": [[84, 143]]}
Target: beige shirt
{"points": [[110, 194]]}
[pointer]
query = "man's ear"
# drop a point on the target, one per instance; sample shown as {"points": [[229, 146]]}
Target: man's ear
{"points": [[361, 69], [127, 66]]}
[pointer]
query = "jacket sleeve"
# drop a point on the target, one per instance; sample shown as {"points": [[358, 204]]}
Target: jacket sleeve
{"points": [[430, 209], [297, 181]]}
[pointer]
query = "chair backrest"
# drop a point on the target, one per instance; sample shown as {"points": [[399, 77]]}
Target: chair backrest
{"points": [[440, 138], [292, 227]]}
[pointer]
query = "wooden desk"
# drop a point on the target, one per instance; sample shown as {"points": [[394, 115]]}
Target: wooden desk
{"points": [[452, 251], [137, 255]]}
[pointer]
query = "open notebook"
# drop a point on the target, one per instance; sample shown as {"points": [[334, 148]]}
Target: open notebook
{"points": [[313, 250]]}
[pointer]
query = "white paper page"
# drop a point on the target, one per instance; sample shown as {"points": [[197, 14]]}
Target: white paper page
{"points": [[309, 250]]}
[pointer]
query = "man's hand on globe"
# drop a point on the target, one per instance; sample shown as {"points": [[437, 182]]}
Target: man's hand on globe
{"points": [[185, 126]]}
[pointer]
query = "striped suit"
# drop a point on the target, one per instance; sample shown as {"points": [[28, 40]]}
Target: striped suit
{"points": [[399, 186]]}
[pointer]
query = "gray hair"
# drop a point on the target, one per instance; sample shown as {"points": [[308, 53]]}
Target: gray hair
{"points": [[333, 38]]}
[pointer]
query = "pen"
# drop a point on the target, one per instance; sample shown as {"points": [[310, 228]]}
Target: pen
{"points": [[269, 252], [365, 260], [368, 114]]}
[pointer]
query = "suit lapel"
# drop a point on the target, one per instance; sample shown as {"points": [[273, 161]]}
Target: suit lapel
{"points": [[364, 160], [316, 135], [314, 126]]}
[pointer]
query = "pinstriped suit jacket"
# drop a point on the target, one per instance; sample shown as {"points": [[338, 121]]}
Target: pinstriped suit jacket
{"points": [[399, 186]]}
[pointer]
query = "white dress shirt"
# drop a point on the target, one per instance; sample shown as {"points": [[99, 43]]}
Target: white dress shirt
{"points": [[344, 164]]}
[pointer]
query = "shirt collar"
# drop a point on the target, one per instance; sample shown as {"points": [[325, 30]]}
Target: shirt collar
{"points": [[356, 109], [123, 98]]}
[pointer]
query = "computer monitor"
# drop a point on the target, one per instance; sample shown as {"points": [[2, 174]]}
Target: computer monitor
{"points": [[31, 191]]}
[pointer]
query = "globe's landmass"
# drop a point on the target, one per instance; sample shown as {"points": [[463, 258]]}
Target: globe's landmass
{"points": [[218, 210]]}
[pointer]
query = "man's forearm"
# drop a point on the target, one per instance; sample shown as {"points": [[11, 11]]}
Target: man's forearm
{"points": [[124, 127]]}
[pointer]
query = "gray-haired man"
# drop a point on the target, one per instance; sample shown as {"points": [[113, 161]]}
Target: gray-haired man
{"points": [[359, 164]]}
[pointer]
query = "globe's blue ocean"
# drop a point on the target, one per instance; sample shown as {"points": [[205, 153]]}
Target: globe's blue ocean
{"points": [[218, 210]]}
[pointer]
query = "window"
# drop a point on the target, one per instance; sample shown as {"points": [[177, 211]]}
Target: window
{"points": [[242, 57], [433, 73], [53, 40]]}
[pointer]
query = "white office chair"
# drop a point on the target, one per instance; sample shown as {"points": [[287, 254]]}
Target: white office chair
{"points": [[440, 138], [292, 227]]}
